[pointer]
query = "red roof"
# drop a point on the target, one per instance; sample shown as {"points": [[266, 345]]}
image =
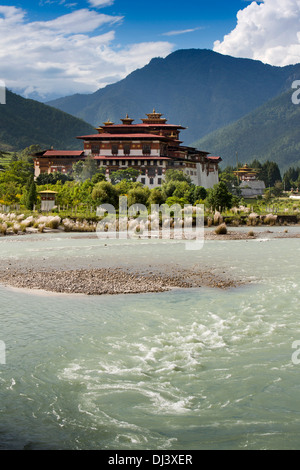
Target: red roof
{"points": [[122, 136], [142, 125], [63, 153], [214, 158]]}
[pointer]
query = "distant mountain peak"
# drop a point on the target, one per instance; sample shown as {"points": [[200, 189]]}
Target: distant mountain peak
{"points": [[201, 89]]}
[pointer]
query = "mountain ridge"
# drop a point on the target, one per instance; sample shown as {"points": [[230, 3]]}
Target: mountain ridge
{"points": [[270, 132], [24, 122], [197, 88]]}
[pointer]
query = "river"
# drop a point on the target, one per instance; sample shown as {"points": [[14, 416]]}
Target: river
{"points": [[185, 369]]}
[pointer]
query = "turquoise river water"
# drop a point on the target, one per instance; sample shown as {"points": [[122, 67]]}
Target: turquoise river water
{"points": [[185, 369]]}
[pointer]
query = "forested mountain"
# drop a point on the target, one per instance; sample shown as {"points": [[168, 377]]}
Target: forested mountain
{"points": [[25, 122], [271, 132], [228, 106], [199, 89]]}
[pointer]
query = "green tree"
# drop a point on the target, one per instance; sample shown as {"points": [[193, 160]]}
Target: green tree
{"points": [[138, 195], [168, 188], [128, 174], [289, 177], [176, 175], [230, 179], [17, 172], [27, 154], [156, 197], [183, 190], [84, 169], [198, 193], [173, 200], [98, 177], [52, 178], [270, 173], [219, 198], [277, 191], [31, 198], [77, 169], [236, 201], [105, 193], [89, 169], [14, 157], [9, 192]]}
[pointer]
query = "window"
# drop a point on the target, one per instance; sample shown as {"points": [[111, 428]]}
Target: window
{"points": [[115, 149], [126, 149], [146, 149], [151, 180], [95, 148], [159, 180], [143, 180]]}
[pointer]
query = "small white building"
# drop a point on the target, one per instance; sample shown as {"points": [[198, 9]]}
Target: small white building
{"points": [[47, 200]]}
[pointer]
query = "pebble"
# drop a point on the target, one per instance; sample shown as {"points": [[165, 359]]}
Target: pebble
{"points": [[99, 281]]}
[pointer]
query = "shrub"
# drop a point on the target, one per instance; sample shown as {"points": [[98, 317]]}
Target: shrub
{"points": [[253, 218], [3, 228], [218, 219], [54, 222], [270, 219], [221, 229], [177, 200]]}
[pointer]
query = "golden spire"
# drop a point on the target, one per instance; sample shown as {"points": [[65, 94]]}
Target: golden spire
{"points": [[154, 118], [127, 121], [108, 123]]}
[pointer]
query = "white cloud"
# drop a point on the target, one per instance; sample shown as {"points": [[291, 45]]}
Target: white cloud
{"points": [[100, 3], [267, 31], [183, 31], [73, 53]]}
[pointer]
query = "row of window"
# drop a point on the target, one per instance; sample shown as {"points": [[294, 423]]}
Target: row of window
{"points": [[133, 162], [151, 181], [146, 149]]}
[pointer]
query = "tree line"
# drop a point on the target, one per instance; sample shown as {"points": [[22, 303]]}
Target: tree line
{"points": [[87, 185]]}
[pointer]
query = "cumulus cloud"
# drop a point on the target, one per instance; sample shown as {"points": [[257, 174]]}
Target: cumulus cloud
{"points": [[69, 54], [267, 31]]}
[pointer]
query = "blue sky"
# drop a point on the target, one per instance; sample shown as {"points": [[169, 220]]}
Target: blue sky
{"points": [[51, 48], [150, 21]]}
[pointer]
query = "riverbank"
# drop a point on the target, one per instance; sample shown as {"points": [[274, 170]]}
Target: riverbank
{"points": [[233, 233], [12, 224]]}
